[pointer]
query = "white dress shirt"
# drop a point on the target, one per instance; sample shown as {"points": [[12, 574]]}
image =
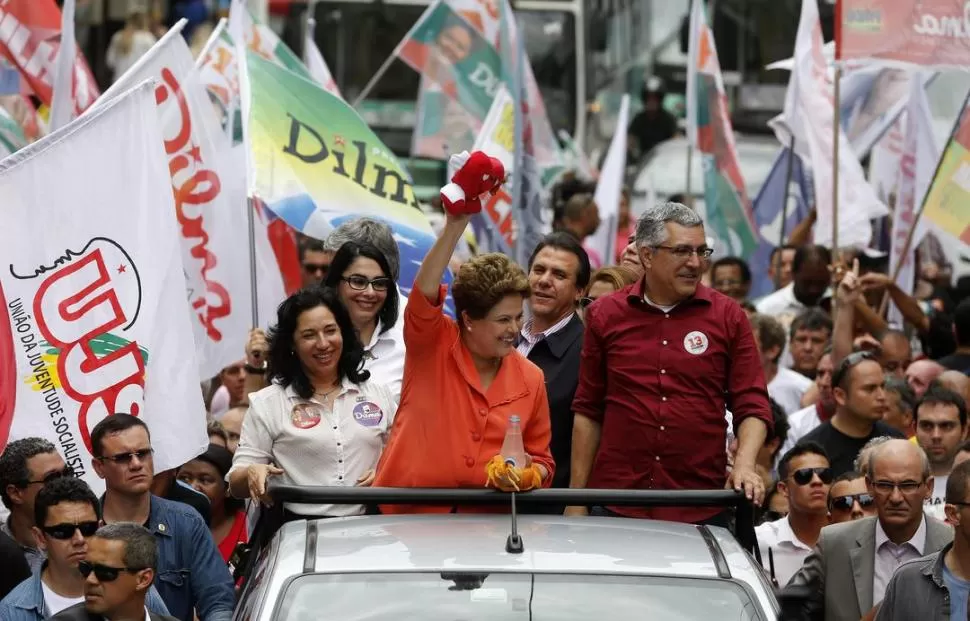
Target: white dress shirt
{"points": [[787, 551], [889, 556], [315, 445], [788, 388], [799, 424], [529, 339], [384, 356], [784, 306]]}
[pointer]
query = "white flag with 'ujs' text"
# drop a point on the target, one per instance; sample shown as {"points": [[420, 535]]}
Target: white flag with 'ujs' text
{"points": [[91, 285]]}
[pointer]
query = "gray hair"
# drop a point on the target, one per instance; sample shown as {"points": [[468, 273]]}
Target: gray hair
{"points": [[875, 452], [650, 226], [367, 231], [141, 549], [861, 463]]}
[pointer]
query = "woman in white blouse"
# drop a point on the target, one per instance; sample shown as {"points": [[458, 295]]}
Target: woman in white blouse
{"points": [[362, 277], [320, 421]]}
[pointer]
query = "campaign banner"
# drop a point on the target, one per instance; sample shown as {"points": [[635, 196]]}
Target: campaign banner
{"points": [[96, 321], [931, 33], [316, 164], [726, 202], [443, 127], [212, 227], [30, 35]]}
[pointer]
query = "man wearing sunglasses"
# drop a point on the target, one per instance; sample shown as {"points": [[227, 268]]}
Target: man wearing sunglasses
{"points": [[849, 498], [67, 514], [25, 466], [118, 574], [191, 576], [852, 563], [804, 477]]}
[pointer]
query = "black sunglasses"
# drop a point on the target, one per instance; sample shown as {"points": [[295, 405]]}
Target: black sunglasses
{"points": [[66, 472], [125, 458], [66, 531], [584, 302], [844, 503], [104, 573], [803, 476], [847, 363]]}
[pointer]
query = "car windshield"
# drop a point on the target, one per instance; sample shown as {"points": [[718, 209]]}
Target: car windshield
{"points": [[511, 597], [666, 170]]}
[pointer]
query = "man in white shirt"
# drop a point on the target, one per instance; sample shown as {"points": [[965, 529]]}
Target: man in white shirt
{"points": [[941, 427], [810, 284], [784, 385], [804, 477], [852, 562]]}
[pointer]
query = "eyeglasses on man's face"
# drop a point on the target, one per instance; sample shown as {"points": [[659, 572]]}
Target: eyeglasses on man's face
{"points": [[845, 503], [804, 476], [684, 252], [105, 573], [888, 487], [66, 531], [67, 471], [125, 458]]}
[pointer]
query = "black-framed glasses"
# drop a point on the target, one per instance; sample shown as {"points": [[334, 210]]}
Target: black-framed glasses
{"points": [[847, 363], [360, 283], [104, 573], [125, 458], [686, 252], [888, 487], [845, 503], [67, 471], [66, 531], [803, 476], [584, 302]]}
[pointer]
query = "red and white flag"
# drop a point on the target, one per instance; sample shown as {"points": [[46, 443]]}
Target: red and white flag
{"points": [[212, 225], [91, 286], [30, 35]]}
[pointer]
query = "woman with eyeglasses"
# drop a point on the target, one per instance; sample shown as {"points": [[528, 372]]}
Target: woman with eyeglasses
{"points": [[464, 380], [206, 474], [320, 421], [361, 276], [606, 281]]}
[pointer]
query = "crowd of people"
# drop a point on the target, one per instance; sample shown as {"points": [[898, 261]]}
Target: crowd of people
{"points": [[653, 372]]}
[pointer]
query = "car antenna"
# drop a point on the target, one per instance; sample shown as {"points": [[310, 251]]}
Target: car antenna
{"points": [[771, 567], [514, 545]]}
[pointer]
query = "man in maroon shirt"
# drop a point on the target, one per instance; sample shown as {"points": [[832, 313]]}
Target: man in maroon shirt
{"points": [[660, 362]]}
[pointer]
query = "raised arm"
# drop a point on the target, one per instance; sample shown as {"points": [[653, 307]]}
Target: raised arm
{"points": [[432, 270]]}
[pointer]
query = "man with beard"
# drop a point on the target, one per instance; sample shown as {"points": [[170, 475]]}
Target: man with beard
{"points": [[661, 361]]}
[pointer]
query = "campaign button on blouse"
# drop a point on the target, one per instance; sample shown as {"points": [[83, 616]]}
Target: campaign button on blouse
{"points": [[368, 414], [696, 342], [305, 415]]}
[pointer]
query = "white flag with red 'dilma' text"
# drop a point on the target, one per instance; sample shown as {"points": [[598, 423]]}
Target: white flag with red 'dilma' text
{"points": [[212, 226], [91, 285]]}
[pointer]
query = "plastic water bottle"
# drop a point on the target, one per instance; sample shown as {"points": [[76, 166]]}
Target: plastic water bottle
{"points": [[513, 450]]}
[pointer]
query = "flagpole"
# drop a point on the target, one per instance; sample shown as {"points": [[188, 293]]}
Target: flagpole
{"points": [[689, 197], [390, 59], [784, 206], [836, 122]]}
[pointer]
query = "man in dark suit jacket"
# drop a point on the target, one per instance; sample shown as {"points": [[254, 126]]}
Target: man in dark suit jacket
{"points": [[118, 569], [552, 338], [15, 567]]}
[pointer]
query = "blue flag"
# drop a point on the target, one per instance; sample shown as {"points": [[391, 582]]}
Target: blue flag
{"points": [[768, 215]]}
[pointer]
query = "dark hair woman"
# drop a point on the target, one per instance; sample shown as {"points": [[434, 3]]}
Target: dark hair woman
{"points": [[206, 474], [320, 421], [362, 278]]}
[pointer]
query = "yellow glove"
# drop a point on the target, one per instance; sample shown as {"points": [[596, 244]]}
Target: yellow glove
{"points": [[511, 479]]}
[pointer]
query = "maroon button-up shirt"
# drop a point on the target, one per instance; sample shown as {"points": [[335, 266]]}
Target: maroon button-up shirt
{"points": [[659, 384]]}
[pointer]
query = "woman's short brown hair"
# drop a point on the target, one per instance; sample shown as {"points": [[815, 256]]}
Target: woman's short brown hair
{"points": [[617, 276], [483, 281]]}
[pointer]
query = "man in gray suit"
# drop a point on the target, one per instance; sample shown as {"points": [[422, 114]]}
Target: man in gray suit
{"points": [[852, 563]]}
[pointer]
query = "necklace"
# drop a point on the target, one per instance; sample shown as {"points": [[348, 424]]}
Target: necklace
{"points": [[324, 396]]}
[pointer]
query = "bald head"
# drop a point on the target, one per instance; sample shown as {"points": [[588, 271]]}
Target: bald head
{"points": [[898, 455], [232, 422], [957, 382], [921, 374]]}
